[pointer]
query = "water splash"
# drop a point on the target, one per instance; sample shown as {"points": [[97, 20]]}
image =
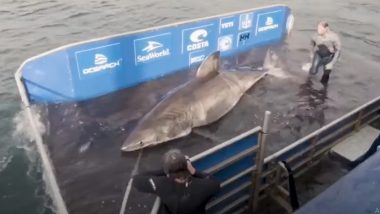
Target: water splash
{"points": [[85, 146], [24, 137], [4, 161], [23, 131]]}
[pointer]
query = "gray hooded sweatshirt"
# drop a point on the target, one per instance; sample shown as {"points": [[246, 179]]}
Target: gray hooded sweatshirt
{"points": [[331, 41]]}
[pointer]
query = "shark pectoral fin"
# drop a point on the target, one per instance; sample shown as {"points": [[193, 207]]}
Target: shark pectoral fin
{"points": [[210, 66]]}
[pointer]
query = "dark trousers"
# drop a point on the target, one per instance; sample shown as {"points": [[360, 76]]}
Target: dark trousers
{"points": [[321, 57], [325, 77]]}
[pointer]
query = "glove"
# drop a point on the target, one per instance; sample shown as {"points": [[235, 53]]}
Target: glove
{"points": [[329, 66]]}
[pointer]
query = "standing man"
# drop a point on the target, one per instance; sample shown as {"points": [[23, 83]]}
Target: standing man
{"points": [[181, 188], [326, 50]]}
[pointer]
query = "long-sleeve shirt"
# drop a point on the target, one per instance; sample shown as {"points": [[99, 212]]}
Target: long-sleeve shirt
{"points": [[178, 198], [331, 40]]}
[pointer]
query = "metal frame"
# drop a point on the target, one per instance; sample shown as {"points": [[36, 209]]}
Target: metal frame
{"points": [[46, 162], [317, 139], [319, 131], [317, 145], [254, 170], [259, 161], [48, 167]]}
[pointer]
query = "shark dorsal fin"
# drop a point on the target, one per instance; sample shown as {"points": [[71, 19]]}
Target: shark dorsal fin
{"points": [[210, 66]]}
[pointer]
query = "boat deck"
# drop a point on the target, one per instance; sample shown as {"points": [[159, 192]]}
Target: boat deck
{"points": [[357, 192], [355, 145]]}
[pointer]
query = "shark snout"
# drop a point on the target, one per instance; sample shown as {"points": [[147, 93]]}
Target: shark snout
{"points": [[128, 146]]}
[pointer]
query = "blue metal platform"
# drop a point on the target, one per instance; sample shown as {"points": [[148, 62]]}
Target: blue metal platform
{"points": [[91, 94]]}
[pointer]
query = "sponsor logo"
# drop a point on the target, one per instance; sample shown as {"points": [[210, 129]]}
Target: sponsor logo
{"points": [[196, 39], [152, 48], [152, 45], [246, 21], [227, 25], [225, 43], [101, 62], [243, 38], [269, 25], [198, 35], [151, 54], [100, 59], [269, 21], [196, 59]]}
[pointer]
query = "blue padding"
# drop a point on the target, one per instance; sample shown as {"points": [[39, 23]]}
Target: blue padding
{"points": [[226, 153], [235, 184], [91, 69], [49, 77], [229, 200], [235, 168]]}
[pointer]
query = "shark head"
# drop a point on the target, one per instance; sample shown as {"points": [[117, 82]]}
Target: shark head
{"points": [[155, 130]]}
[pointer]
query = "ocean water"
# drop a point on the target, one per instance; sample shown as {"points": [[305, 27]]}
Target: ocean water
{"points": [[299, 105]]}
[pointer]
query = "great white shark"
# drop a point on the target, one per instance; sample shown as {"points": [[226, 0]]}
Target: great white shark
{"points": [[201, 101]]}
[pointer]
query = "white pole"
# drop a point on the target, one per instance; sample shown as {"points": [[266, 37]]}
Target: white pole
{"points": [[156, 206], [260, 159], [266, 122], [129, 186]]}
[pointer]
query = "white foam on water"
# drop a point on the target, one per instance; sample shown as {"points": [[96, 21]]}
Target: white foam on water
{"points": [[47, 197], [25, 138], [23, 131], [85, 146], [23, 134], [4, 161]]}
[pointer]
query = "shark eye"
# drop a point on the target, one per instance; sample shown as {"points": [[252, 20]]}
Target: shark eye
{"points": [[141, 144]]}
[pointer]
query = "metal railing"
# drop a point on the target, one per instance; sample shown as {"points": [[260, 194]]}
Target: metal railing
{"points": [[268, 176], [239, 188], [305, 152]]}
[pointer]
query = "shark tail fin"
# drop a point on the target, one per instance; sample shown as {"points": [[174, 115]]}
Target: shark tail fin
{"points": [[210, 66]]}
